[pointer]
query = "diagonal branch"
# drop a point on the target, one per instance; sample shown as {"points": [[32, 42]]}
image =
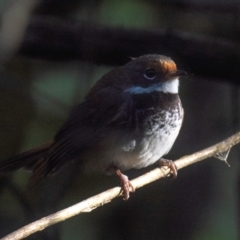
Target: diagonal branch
{"points": [[106, 197]]}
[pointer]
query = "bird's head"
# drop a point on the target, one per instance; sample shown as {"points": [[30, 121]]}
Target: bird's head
{"points": [[144, 74]]}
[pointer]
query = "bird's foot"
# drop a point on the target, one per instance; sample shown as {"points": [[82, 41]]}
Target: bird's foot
{"points": [[126, 185], [169, 163]]}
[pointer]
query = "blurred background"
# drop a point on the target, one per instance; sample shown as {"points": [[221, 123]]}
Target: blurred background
{"points": [[52, 52]]}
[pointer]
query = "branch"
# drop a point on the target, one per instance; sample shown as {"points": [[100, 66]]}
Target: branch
{"points": [[203, 6], [205, 56], [106, 197]]}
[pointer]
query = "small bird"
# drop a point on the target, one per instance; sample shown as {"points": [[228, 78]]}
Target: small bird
{"points": [[129, 119]]}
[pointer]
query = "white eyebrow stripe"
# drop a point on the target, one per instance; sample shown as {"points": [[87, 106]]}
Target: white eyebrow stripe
{"points": [[170, 86]]}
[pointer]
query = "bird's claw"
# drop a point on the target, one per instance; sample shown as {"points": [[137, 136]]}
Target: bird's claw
{"points": [[170, 164], [126, 185]]}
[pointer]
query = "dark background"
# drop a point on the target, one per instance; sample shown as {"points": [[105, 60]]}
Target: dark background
{"points": [[52, 52]]}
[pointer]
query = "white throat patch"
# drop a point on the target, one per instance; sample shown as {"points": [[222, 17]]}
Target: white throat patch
{"points": [[166, 87]]}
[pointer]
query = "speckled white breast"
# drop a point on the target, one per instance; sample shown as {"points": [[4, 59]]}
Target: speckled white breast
{"points": [[140, 153], [155, 144]]}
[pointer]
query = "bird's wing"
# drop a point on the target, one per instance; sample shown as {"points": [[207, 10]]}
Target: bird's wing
{"points": [[108, 108], [25, 159], [88, 123]]}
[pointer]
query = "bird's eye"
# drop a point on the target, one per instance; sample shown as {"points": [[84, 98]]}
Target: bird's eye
{"points": [[150, 74]]}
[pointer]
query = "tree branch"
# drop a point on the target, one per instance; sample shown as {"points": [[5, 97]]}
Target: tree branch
{"points": [[203, 6], [52, 39], [106, 197]]}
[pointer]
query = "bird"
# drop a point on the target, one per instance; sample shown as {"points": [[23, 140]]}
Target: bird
{"points": [[129, 119]]}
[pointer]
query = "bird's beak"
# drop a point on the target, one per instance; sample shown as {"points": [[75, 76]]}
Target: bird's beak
{"points": [[175, 74]]}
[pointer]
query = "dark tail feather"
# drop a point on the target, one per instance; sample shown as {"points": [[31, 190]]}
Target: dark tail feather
{"points": [[26, 159], [39, 169]]}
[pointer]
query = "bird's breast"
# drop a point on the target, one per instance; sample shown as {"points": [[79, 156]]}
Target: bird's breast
{"points": [[158, 134], [152, 138]]}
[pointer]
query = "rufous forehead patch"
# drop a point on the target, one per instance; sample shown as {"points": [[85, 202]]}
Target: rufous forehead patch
{"points": [[163, 66], [168, 66]]}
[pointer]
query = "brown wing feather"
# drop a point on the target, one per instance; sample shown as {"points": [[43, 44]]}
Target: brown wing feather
{"points": [[86, 125], [26, 159]]}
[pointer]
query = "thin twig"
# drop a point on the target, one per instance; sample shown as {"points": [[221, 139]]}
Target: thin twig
{"points": [[106, 197]]}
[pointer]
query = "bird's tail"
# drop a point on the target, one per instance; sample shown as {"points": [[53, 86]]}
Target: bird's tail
{"points": [[26, 159]]}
